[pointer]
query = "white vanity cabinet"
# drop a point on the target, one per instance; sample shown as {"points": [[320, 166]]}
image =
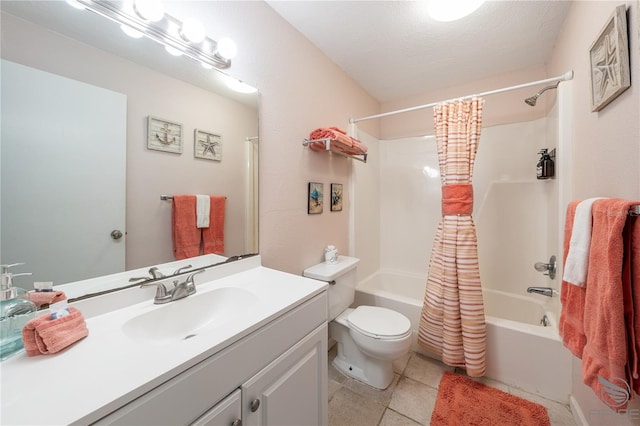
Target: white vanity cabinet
{"points": [[277, 375]]}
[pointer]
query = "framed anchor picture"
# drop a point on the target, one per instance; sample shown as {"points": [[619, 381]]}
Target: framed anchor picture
{"points": [[164, 135], [207, 145]]}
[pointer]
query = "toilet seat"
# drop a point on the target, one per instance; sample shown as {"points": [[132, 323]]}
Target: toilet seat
{"points": [[379, 323]]}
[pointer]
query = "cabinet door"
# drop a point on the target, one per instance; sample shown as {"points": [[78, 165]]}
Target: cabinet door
{"points": [[226, 413], [292, 390]]}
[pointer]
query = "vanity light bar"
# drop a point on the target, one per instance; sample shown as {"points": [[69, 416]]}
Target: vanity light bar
{"points": [[166, 32]]}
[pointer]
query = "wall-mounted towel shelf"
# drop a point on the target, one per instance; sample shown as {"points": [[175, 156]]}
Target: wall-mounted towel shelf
{"points": [[328, 143]]}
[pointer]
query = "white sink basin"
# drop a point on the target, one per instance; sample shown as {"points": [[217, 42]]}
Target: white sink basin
{"points": [[186, 318]]}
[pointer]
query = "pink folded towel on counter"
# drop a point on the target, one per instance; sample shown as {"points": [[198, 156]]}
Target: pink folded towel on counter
{"points": [[572, 297], [44, 335], [606, 352], [184, 230], [45, 298], [339, 141], [213, 236]]}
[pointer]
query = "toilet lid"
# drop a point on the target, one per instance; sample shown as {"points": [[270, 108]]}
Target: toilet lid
{"points": [[380, 323]]}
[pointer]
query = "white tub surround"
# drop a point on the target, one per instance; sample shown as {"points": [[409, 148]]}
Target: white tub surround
{"points": [[102, 374], [513, 326]]}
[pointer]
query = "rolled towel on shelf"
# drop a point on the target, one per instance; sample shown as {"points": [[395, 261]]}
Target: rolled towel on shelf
{"points": [[340, 141], [44, 335], [43, 298]]}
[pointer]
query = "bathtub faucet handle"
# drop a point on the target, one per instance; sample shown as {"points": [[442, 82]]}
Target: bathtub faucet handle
{"points": [[548, 269]]}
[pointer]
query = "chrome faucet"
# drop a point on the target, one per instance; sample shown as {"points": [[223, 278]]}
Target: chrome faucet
{"points": [[545, 291], [179, 291]]}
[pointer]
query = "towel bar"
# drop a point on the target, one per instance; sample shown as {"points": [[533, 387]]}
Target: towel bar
{"points": [[169, 197], [328, 147]]}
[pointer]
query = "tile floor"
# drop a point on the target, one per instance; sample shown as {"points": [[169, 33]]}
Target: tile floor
{"points": [[410, 398]]}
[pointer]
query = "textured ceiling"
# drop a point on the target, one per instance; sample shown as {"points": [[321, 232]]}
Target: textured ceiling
{"points": [[393, 49]]}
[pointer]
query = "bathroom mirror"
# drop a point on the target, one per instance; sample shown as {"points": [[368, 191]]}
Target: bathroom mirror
{"points": [[78, 45]]}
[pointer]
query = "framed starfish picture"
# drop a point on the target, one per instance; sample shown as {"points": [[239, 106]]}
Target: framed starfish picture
{"points": [[609, 54], [164, 135], [207, 145]]}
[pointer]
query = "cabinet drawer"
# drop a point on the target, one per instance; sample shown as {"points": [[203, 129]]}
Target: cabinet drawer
{"points": [[184, 398], [227, 412]]}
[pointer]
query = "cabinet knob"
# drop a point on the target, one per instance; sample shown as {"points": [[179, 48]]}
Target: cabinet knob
{"points": [[254, 405], [237, 422]]}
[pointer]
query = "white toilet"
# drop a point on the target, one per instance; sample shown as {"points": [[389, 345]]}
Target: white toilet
{"points": [[369, 338]]}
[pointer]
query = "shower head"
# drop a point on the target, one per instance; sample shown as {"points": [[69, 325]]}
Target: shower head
{"points": [[533, 99]]}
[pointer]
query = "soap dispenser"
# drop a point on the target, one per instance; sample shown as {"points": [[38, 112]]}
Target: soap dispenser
{"points": [[15, 312], [545, 167]]}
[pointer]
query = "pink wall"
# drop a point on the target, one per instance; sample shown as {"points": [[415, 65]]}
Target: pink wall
{"points": [[301, 90], [606, 144]]}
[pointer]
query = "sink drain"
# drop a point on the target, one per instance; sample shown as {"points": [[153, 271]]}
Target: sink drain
{"points": [[189, 336]]}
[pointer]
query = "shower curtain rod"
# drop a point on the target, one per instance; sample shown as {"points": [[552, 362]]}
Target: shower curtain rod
{"points": [[564, 77]]}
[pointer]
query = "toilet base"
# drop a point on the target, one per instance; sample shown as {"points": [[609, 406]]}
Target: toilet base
{"points": [[352, 362], [376, 373]]}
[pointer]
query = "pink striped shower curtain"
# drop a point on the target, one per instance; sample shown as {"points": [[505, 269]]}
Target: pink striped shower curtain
{"points": [[452, 322]]}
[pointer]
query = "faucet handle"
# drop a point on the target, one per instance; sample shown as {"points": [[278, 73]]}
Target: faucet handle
{"points": [[4, 269], [156, 273], [181, 269], [190, 282], [161, 290]]}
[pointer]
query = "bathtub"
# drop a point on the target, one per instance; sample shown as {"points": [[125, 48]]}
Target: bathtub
{"points": [[520, 351]]}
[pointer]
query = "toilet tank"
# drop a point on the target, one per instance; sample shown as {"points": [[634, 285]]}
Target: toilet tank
{"points": [[345, 275]]}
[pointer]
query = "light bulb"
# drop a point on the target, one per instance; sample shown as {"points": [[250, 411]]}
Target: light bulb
{"points": [[447, 10], [130, 31], [151, 10], [173, 51], [192, 30], [226, 48]]}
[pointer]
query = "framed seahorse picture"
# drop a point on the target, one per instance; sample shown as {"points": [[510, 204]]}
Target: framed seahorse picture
{"points": [[164, 135]]}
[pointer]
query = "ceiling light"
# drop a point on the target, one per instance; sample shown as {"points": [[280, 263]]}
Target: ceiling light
{"points": [[226, 48], [130, 31], [448, 10], [151, 10], [192, 30], [186, 38]]}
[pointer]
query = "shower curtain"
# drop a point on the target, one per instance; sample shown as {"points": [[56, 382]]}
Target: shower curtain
{"points": [[452, 322]]}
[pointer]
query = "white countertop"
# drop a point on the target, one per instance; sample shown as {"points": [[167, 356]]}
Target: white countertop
{"points": [[108, 368]]}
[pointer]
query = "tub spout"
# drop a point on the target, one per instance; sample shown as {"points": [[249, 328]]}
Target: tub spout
{"points": [[545, 291]]}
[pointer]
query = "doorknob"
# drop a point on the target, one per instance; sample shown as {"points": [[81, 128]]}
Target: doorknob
{"points": [[116, 234]]}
